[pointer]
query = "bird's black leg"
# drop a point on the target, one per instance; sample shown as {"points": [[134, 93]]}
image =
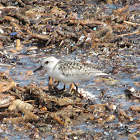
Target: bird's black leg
{"points": [[72, 88], [76, 87], [56, 84], [64, 87]]}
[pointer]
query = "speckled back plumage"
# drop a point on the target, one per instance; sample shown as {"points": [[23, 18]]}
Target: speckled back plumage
{"points": [[69, 68], [73, 68]]}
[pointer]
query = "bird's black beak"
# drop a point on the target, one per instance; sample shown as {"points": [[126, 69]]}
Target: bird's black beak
{"points": [[39, 68]]}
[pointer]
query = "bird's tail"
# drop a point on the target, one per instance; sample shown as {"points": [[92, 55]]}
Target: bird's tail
{"points": [[98, 72]]}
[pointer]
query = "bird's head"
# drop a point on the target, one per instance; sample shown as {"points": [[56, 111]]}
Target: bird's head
{"points": [[48, 63]]}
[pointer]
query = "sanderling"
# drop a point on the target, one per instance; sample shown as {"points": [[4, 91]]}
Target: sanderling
{"points": [[68, 71]]}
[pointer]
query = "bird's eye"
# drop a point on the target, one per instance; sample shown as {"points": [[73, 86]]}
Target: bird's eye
{"points": [[46, 62]]}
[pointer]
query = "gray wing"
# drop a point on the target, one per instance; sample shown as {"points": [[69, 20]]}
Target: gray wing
{"points": [[73, 68]]}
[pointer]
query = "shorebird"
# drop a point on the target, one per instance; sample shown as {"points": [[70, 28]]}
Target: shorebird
{"points": [[68, 71]]}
